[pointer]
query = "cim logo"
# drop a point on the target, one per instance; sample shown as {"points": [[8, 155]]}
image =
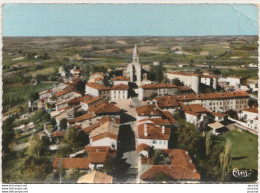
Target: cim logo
{"points": [[241, 173]]}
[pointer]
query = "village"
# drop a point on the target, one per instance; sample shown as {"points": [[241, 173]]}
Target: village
{"points": [[130, 129]]}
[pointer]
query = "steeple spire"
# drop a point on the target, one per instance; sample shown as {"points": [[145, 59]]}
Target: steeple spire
{"points": [[135, 53]]}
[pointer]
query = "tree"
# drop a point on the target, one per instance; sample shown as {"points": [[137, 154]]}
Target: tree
{"points": [[63, 124], [76, 139], [225, 158], [179, 115], [232, 114], [177, 82], [36, 147], [156, 73], [208, 142], [109, 164]]}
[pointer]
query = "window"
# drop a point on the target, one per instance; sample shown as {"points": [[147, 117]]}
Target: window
{"points": [[154, 141]]}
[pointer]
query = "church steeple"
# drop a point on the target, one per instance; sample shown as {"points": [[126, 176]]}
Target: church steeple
{"points": [[135, 55]]}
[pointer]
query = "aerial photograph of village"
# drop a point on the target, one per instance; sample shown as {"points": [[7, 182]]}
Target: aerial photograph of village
{"points": [[109, 110], [103, 100]]}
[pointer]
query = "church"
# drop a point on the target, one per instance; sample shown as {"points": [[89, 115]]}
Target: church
{"points": [[134, 69]]}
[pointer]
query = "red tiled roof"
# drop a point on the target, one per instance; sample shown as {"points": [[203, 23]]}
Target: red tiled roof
{"points": [[147, 160], [91, 100], [157, 86], [120, 78], [119, 87], [251, 110], [104, 149], [156, 121], [100, 122], [63, 92], [104, 135], [58, 134], [218, 95], [194, 108], [153, 132], [98, 178], [181, 88], [97, 73], [142, 147], [148, 110], [73, 82], [185, 73], [84, 117], [218, 114], [98, 78], [97, 86], [71, 163], [97, 157], [170, 117], [104, 108], [181, 167]]}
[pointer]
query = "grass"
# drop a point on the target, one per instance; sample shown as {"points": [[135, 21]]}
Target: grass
{"points": [[244, 150], [45, 71], [246, 73], [23, 91]]}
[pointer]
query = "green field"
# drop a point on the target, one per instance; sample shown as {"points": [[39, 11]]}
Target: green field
{"points": [[45, 71], [23, 91], [244, 149]]}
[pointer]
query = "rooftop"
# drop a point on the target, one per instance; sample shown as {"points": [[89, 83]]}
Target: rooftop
{"points": [[157, 86], [95, 177], [97, 86], [120, 78], [251, 110], [148, 110], [153, 132], [119, 87], [71, 163], [104, 108]]}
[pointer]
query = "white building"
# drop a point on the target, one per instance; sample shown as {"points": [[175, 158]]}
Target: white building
{"points": [[161, 89], [250, 116], [193, 79], [232, 81], [120, 80], [119, 92], [153, 135], [94, 89]]}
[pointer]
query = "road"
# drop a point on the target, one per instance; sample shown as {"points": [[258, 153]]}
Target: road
{"points": [[126, 164]]}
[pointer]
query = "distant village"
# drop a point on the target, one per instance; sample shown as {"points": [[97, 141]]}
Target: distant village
{"points": [[148, 108]]}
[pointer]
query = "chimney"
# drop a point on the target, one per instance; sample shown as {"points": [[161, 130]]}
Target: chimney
{"points": [[163, 129], [145, 130]]}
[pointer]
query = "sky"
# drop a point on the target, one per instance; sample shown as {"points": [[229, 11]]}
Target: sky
{"points": [[129, 20]]}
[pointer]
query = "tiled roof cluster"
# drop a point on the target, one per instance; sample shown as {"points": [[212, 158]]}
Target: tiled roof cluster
{"points": [[97, 86], [181, 167], [151, 131], [103, 108], [157, 86], [120, 78]]}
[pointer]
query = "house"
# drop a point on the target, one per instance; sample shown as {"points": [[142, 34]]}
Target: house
{"points": [[83, 120], [148, 111], [217, 128], [232, 80], [104, 108], [45, 94], [250, 116], [216, 102], [185, 90], [89, 102], [71, 163], [41, 103], [153, 135], [100, 122], [76, 72], [119, 92], [97, 90], [181, 168], [166, 104], [97, 159], [57, 136], [105, 135], [152, 90], [120, 80], [95, 177], [67, 95], [96, 77], [143, 149]]}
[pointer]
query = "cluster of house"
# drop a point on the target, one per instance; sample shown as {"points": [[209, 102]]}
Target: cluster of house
{"points": [[95, 114]]}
